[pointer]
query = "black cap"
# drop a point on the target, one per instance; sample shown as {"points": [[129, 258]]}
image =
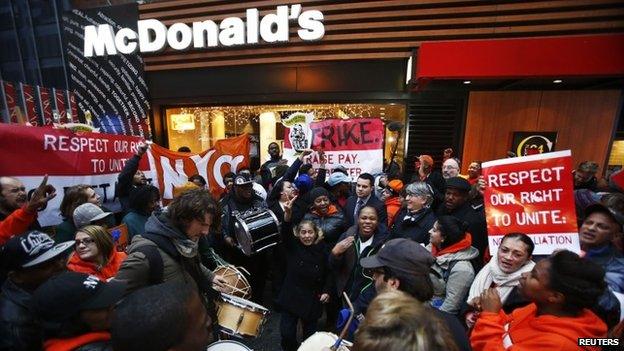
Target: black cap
{"points": [[458, 183], [63, 296], [31, 249], [598, 207], [318, 192], [404, 255], [242, 179]]}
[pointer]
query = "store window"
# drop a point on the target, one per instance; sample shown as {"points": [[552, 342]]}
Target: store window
{"points": [[199, 127]]}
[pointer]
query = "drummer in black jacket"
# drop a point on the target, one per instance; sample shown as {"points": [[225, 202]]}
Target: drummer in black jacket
{"points": [[307, 283], [242, 200]]}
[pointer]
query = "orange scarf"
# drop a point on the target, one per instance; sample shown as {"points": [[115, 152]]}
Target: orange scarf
{"points": [[75, 342], [76, 264], [330, 211], [458, 246]]}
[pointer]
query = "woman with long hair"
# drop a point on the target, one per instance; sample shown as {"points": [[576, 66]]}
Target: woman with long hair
{"points": [[95, 253], [74, 196]]}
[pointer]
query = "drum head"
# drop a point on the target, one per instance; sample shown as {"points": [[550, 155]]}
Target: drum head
{"points": [[227, 345], [240, 302], [241, 230]]}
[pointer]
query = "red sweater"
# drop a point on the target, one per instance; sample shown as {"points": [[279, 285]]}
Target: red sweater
{"points": [[16, 223], [524, 330], [110, 270]]}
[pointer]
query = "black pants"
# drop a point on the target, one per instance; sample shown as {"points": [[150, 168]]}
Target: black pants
{"points": [[288, 330]]}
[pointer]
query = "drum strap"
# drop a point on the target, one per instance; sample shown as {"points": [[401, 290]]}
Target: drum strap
{"points": [[156, 265]]}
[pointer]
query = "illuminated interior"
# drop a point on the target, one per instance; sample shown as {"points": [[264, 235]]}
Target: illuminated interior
{"points": [[263, 123]]}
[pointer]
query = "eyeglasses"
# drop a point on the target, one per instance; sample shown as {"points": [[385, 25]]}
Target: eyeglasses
{"points": [[370, 272], [85, 241]]}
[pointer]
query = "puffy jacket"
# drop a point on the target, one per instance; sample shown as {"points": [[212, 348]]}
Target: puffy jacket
{"points": [[159, 233], [523, 330], [19, 328], [17, 222], [416, 226], [332, 225], [348, 272], [453, 277]]}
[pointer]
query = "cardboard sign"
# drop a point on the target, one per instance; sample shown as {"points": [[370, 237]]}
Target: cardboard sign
{"points": [[532, 195], [120, 237], [356, 144]]}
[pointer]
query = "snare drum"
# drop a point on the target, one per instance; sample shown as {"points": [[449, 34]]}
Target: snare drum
{"points": [[237, 284], [240, 317], [323, 341], [227, 345], [256, 231]]}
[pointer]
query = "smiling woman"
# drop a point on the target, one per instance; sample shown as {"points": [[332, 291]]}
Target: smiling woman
{"points": [[95, 253]]}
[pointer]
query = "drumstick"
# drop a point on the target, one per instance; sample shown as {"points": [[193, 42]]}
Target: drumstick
{"points": [[343, 333]]}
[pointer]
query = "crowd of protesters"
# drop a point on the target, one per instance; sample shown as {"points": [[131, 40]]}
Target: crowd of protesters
{"points": [[411, 255]]}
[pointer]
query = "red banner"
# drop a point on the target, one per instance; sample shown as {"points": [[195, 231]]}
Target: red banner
{"points": [[44, 105], [356, 144], [173, 168], [30, 108], [532, 195], [59, 104], [11, 102]]}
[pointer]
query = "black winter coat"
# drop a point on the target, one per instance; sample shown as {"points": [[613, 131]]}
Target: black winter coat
{"points": [[415, 227], [307, 276], [19, 328], [332, 226]]}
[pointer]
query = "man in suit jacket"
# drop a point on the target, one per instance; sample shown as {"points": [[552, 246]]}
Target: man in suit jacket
{"points": [[364, 196]]}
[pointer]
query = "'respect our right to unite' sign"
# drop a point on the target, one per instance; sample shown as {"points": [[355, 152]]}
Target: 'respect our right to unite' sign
{"points": [[532, 195], [153, 36]]}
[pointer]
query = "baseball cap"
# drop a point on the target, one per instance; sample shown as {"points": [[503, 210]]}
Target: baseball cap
{"points": [[31, 249], [242, 179], [403, 255], [66, 294], [395, 185], [87, 213], [337, 178], [598, 207], [458, 183]]}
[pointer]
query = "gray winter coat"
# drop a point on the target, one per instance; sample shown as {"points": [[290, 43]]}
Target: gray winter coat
{"points": [[453, 277], [135, 269]]}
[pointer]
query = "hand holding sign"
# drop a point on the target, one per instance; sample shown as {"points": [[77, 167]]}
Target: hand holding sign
{"points": [[40, 197]]}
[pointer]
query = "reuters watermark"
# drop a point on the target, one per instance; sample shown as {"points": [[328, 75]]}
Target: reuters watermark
{"points": [[598, 342]]}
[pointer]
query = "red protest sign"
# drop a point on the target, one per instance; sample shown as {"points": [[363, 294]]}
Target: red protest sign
{"points": [[532, 195]]}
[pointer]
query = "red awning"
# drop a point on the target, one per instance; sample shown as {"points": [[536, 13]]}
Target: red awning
{"points": [[552, 57]]}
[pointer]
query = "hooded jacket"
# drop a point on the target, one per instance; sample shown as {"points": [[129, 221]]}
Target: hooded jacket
{"points": [[523, 329], [115, 259], [162, 234], [453, 274]]}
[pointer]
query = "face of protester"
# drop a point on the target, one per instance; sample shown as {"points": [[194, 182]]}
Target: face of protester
{"points": [[32, 277], [312, 172], [93, 197], [307, 235], [450, 169], [435, 235], [597, 230], [512, 255], [378, 277], [534, 285], [367, 222], [288, 190], [474, 170], [274, 150], [86, 247], [414, 202], [581, 177], [454, 198], [321, 204], [229, 183], [199, 333], [139, 178], [198, 228], [363, 188], [13, 194], [243, 192]]}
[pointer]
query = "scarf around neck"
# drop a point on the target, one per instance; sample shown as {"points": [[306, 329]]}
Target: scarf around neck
{"points": [[465, 243], [505, 282]]}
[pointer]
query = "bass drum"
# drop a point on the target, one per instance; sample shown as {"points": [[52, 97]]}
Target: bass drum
{"points": [[227, 345], [256, 231], [323, 341]]}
